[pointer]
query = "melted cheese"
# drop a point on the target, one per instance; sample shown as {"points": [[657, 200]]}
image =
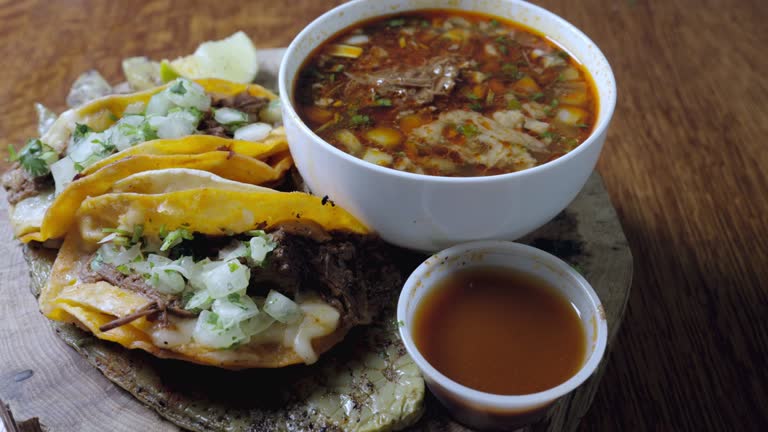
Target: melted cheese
{"points": [[320, 319]]}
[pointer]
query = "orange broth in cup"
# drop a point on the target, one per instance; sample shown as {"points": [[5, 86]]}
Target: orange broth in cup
{"points": [[500, 331]]}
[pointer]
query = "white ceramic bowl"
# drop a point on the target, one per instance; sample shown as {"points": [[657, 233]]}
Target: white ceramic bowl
{"points": [[484, 410], [428, 212]]}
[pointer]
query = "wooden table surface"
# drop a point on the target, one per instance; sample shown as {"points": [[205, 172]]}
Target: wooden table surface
{"points": [[685, 163]]}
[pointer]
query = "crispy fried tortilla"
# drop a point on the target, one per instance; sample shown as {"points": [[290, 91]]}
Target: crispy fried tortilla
{"points": [[320, 257]]}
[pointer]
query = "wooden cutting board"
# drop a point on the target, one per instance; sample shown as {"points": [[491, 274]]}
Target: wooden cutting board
{"points": [[40, 376]]}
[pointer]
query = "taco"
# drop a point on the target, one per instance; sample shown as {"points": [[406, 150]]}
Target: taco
{"points": [[230, 275], [181, 118]]}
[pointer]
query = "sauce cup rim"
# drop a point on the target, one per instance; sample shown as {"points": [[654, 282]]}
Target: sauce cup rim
{"points": [[490, 400], [327, 21]]}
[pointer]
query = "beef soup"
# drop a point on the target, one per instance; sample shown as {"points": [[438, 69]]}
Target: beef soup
{"points": [[446, 93]]}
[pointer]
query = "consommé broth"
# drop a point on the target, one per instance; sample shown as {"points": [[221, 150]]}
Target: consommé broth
{"points": [[500, 331]]}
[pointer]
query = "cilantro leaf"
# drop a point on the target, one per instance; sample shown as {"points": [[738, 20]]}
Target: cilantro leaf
{"points": [[175, 237], [35, 157], [397, 22], [178, 88], [469, 130], [81, 130]]}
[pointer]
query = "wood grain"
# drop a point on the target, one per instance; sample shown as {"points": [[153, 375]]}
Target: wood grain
{"points": [[685, 164]]}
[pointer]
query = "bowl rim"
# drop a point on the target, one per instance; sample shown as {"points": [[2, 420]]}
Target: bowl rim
{"points": [[490, 400], [326, 20]]}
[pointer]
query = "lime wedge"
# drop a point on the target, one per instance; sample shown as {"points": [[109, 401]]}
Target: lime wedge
{"points": [[167, 73], [233, 59]]}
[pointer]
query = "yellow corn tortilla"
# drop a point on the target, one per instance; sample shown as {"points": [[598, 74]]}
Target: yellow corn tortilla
{"points": [[274, 144], [61, 213], [211, 211]]}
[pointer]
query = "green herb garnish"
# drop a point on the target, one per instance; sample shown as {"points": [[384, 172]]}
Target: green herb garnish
{"points": [[476, 106], [233, 266], [178, 88], [359, 120], [81, 130], [469, 130], [514, 104], [397, 22], [175, 237], [35, 157], [537, 96], [117, 231], [382, 102]]}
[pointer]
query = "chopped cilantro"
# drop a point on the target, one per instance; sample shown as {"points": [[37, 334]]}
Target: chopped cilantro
{"points": [[469, 130], [79, 167], [537, 96], [81, 130], [511, 71], [425, 23], [494, 23], [397, 22], [550, 134], [560, 77], [476, 106], [359, 120], [175, 237], [118, 231], [178, 88], [514, 104], [233, 266], [382, 102], [504, 50], [138, 230], [554, 104], [563, 55], [35, 157], [472, 96]]}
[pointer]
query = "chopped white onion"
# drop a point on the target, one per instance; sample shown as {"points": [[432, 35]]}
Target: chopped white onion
{"points": [[230, 116], [226, 278], [282, 308], [255, 132], [357, 39], [234, 309], [210, 332]]}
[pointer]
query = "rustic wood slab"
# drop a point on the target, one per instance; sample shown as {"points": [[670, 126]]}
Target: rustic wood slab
{"points": [[40, 376]]}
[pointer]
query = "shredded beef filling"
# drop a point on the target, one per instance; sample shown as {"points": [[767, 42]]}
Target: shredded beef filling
{"points": [[19, 184], [352, 273]]}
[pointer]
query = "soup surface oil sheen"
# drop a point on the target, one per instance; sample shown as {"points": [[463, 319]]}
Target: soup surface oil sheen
{"points": [[500, 331]]}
